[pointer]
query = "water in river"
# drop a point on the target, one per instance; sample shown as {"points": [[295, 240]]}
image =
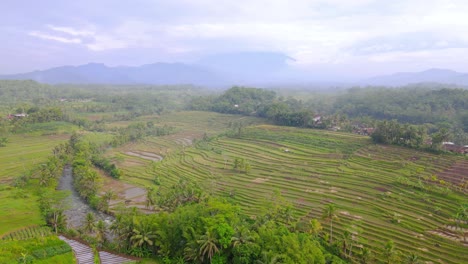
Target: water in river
{"points": [[78, 208]]}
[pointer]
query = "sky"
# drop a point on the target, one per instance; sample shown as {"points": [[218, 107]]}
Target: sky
{"points": [[349, 38]]}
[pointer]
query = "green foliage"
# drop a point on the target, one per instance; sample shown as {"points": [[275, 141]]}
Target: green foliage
{"points": [[391, 132], [138, 131], [3, 141], [241, 165], [106, 165], [213, 231], [47, 249], [48, 252]]}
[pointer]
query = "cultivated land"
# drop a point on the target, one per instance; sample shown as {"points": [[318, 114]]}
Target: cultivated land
{"points": [[22, 228], [390, 192], [374, 186], [25, 151]]}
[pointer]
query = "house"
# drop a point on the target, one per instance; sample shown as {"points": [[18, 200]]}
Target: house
{"points": [[11, 116], [465, 149], [317, 118], [450, 146]]}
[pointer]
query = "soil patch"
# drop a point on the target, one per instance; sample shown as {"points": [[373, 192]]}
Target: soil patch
{"points": [[260, 180], [145, 155], [382, 189]]}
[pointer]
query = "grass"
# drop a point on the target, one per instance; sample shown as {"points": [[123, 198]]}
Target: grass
{"points": [[12, 251], [18, 209], [312, 168], [24, 151]]}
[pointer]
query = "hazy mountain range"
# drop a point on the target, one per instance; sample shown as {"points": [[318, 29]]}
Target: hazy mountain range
{"points": [[427, 76], [246, 68]]}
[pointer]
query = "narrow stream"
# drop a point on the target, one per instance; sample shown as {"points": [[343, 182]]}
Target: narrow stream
{"points": [[76, 215]]}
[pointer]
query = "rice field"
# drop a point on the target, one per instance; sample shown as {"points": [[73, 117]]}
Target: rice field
{"points": [[312, 168]]}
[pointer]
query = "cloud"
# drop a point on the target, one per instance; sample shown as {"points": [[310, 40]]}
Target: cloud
{"points": [[71, 31], [332, 32], [55, 38], [408, 42]]}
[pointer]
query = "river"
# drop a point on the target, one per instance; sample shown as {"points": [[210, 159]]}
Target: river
{"points": [[76, 215]]}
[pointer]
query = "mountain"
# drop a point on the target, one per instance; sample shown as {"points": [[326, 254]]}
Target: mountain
{"points": [[226, 69], [96, 73], [252, 67], [427, 76]]}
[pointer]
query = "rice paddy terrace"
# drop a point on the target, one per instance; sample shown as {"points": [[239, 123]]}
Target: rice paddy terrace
{"points": [[389, 192]]}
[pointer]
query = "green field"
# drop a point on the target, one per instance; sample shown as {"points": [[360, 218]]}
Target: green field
{"points": [[24, 151], [312, 168], [18, 209], [40, 249]]}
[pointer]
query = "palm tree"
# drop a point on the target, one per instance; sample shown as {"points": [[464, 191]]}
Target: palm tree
{"points": [[389, 252], [106, 198], [365, 255], [101, 231], [208, 245], [268, 258], [89, 223], [412, 259], [243, 236], [314, 227], [329, 214], [141, 236], [150, 197]]}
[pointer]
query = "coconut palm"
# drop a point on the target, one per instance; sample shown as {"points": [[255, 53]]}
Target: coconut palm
{"points": [[243, 236], [89, 223], [329, 214], [413, 259], [142, 235], [208, 245], [269, 258], [101, 231]]}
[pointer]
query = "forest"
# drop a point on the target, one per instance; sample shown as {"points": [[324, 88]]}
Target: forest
{"points": [[185, 174]]}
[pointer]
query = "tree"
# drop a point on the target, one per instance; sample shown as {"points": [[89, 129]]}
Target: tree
{"points": [[52, 205], [142, 234], [390, 253], [329, 214], [89, 224], [269, 258], [106, 198], [101, 231], [315, 227], [208, 245], [150, 197]]}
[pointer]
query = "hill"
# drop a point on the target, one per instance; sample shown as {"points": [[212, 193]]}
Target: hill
{"points": [[95, 73], [427, 76]]}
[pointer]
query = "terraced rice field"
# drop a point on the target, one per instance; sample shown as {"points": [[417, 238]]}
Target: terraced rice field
{"points": [[312, 168]]}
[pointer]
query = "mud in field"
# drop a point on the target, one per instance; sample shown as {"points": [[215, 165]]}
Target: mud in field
{"points": [[127, 194], [456, 174]]}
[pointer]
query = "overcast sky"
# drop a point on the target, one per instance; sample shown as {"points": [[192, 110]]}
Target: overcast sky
{"points": [[344, 37]]}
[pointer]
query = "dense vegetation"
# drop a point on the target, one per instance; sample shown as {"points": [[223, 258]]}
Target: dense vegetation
{"points": [[432, 109]]}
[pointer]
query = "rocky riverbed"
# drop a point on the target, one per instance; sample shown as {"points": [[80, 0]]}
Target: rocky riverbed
{"points": [[76, 214]]}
